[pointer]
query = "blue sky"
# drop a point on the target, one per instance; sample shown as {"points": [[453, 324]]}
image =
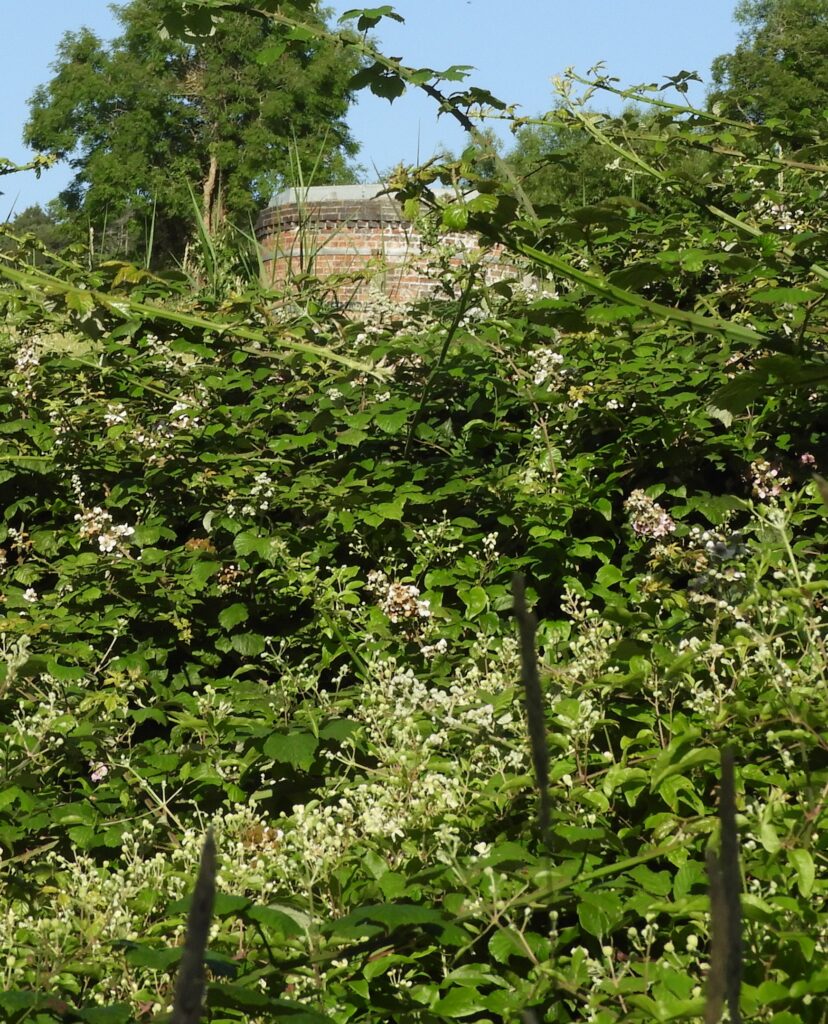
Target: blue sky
{"points": [[515, 47]]}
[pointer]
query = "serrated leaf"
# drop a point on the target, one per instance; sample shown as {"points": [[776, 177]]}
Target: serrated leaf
{"points": [[484, 203], [294, 748], [270, 54], [456, 217], [803, 864], [370, 16], [506, 943], [233, 615], [391, 422], [599, 913], [475, 599], [391, 509], [459, 1002], [228, 903], [784, 296], [724, 416], [608, 575], [247, 644], [117, 1013], [275, 920]]}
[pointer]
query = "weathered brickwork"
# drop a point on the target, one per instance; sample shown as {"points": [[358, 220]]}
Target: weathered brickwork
{"points": [[355, 245]]}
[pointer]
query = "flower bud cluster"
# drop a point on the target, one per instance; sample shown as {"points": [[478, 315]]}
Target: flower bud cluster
{"points": [[97, 524], [768, 480], [647, 517], [401, 602]]}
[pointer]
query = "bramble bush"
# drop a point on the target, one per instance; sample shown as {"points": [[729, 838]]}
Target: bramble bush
{"points": [[257, 563]]}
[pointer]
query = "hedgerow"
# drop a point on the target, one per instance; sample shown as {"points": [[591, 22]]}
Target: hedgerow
{"points": [[257, 577]]}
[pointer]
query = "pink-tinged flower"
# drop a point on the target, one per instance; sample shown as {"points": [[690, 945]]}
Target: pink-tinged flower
{"points": [[647, 517], [100, 772], [806, 459], [768, 481]]}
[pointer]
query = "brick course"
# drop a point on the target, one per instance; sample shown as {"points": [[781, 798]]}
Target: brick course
{"points": [[361, 244]]}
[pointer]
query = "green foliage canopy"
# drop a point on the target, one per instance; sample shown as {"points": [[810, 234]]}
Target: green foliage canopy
{"points": [[246, 583], [146, 122], [779, 67]]}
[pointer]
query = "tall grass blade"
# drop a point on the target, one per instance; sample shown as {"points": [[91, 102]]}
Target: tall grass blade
{"points": [[189, 988], [725, 976], [527, 626], [150, 235]]}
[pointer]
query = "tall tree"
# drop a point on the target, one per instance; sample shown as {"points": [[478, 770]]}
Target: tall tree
{"points": [[561, 165], [780, 65], [148, 122]]}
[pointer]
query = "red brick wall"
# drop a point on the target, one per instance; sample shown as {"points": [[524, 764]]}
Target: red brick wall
{"points": [[360, 244]]}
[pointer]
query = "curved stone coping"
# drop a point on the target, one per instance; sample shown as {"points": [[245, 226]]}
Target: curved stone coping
{"points": [[372, 212]]}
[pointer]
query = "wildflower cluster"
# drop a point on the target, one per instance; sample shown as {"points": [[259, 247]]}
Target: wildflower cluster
{"points": [[400, 601], [436, 542], [647, 517], [115, 414], [24, 374], [259, 498], [97, 524], [547, 369], [768, 480], [779, 214]]}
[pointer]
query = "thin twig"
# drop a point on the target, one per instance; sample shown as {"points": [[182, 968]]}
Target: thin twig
{"points": [[462, 306]]}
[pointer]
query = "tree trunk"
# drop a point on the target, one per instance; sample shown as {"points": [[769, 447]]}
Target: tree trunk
{"points": [[209, 195]]}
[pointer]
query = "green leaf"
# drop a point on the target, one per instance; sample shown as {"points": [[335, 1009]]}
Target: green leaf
{"points": [[604, 507], [392, 422], [599, 912], [784, 296], [117, 1013], [397, 915], [247, 644], [233, 615], [370, 16], [140, 955], [803, 864], [351, 436], [275, 921], [294, 748], [609, 575], [506, 943], [247, 543], [769, 838], [456, 217], [725, 416], [261, 1004], [459, 1002], [391, 509], [483, 203], [271, 53], [64, 672], [14, 1000], [227, 903], [475, 599]]}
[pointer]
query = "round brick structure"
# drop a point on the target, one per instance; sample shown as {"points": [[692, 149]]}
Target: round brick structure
{"points": [[354, 239]]}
